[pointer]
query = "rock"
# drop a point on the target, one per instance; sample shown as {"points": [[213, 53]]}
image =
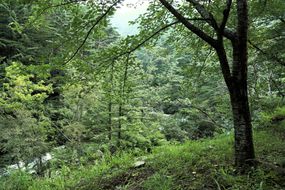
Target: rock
{"points": [[26, 167], [139, 164], [20, 165], [59, 148], [46, 157]]}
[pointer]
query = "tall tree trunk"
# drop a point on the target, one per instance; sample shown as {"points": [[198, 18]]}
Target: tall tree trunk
{"points": [[110, 104], [236, 82], [237, 87], [244, 149]]}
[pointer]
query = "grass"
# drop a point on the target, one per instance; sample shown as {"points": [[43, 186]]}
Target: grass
{"points": [[203, 164]]}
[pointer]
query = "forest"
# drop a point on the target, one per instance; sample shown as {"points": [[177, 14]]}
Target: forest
{"points": [[192, 99]]}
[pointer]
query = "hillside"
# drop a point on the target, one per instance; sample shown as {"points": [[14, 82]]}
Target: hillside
{"points": [[202, 164]]}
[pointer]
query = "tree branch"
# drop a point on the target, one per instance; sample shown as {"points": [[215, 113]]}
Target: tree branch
{"points": [[231, 35], [189, 106], [218, 45], [188, 24], [53, 6], [90, 30], [144, 41], [204, 13], [278, 60], [137, 46], [160, 30], [211, 20], [224, 63], [62, 133], [226, 14]]}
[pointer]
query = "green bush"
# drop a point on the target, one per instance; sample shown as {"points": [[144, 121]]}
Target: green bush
{"points": [[271, 118], [18, 180]]}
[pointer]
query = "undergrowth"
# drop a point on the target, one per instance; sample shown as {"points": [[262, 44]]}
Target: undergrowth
{"points": [[202, 164]]}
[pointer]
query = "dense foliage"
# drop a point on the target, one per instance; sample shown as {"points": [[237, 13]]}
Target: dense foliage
{"points": [[151, 110]]}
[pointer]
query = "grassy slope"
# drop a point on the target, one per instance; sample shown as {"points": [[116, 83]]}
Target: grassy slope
{"points": [[205, 164]]}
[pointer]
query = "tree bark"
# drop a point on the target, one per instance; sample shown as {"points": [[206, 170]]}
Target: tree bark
{"points": [[237, 84], [244, 149]]}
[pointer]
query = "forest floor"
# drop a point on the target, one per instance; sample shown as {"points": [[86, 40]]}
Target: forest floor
{"points": [[203, 164], [194, 165]]}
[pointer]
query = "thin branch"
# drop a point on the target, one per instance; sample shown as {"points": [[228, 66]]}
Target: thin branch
{"points": [[200, 110], [148, 38], [112, 59], [91, 29], [142, 43], [62, 133], [50, 7], [277, 59], [206, 114], [204, 64], [139, 45], [125, 76], [160, 30]]}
